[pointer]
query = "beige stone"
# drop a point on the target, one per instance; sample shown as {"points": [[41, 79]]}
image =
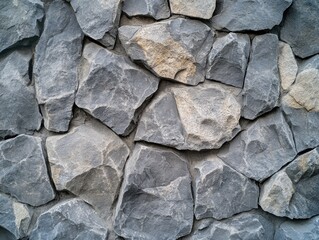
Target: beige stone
{"points": [[194, 8]]}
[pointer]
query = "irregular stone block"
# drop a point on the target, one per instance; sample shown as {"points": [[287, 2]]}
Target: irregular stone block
{"points": [[309, 63], [198, 9]]}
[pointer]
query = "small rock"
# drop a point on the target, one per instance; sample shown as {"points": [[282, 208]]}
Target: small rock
{"points": [[198, 9], [309, 63]]}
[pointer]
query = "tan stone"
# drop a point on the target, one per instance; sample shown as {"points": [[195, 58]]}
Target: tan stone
{"points": [[194, 8]]}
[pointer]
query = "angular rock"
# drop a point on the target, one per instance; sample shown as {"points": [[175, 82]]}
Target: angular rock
{"points": [[157, 9], [71, 219], [24, 26], [19, 111], [228, 59], [309, 63], [174, 49], [198, 9], [262, 148], [56, 57], [112, 89], [23, 171], [88, 162], [262, 83], [241, 15], [294, 191], [155, 200], [99, 19], [193, 118], [300, 28]]}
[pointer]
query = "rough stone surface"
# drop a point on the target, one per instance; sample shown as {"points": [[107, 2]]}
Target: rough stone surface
{"points": [[23, 171], [262, 83], [112, 89], [309, 63], [228, 59], [71, 219], [24, 26], [193, 8], [262, 148], [193, 118], [174, 49], [56, 58], [155, 200]]}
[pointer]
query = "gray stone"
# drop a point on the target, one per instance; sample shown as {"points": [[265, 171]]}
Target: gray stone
{"points": [[157, 9], [99, 19], [56, 58], [241, 15], [71, 219], [300, 28], [193, 8], [112, 89], [228, 59], [23, 170], [262, 82], [24, 26], [262, 148], [174, 49], [293, 191], [19, 111], [155, 200], [193, 118], [220, 191], [309, 63]]}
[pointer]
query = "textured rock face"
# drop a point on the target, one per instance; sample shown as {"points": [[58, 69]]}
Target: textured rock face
{"points": [[112, 89], [193, 8], [23, 171], [193, 118], [174, 49], [155, 201], [228, 59], [56, 58], [262, 83], [72, 219], [240, 15], [24, 26]]}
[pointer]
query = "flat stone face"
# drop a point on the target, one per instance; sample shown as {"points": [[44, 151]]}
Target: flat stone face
{"points": [[300, 28], [24, 26], [262, 148], [262, 82], [193, 118], [99, 19], [193, 8], [155, 200], [72, 219], [173, 49], [56, 57], [228, 59], [23, 171], [112, 89], [241, 15], [19, 111]]}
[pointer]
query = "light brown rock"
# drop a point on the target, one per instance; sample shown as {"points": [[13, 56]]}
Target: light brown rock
{"points": [[194, 8]]}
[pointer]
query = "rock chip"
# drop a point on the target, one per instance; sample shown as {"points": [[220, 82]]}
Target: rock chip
{"points": [[23, 171], [174, 49], [155, 200], [193, 8], [56, 57], [262, 83], [112, 89], [228, 59]]}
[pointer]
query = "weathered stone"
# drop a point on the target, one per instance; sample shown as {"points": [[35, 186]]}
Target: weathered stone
{"points": [[71, 219], [19, 111], [99, 19], [309, 63], [220, 191], [241, 15], [228, 59], [23, 171], [300, 28], [198, 8], [88, 161], [56, 58], [193, 118], [155, 200], [262, 148], [262, 83], [24, 26], [174, 49], [293, 191], [157, 9], [112, 89]]}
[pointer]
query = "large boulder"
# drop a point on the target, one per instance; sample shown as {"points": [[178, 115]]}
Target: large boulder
{"points": [[197, 9]]}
